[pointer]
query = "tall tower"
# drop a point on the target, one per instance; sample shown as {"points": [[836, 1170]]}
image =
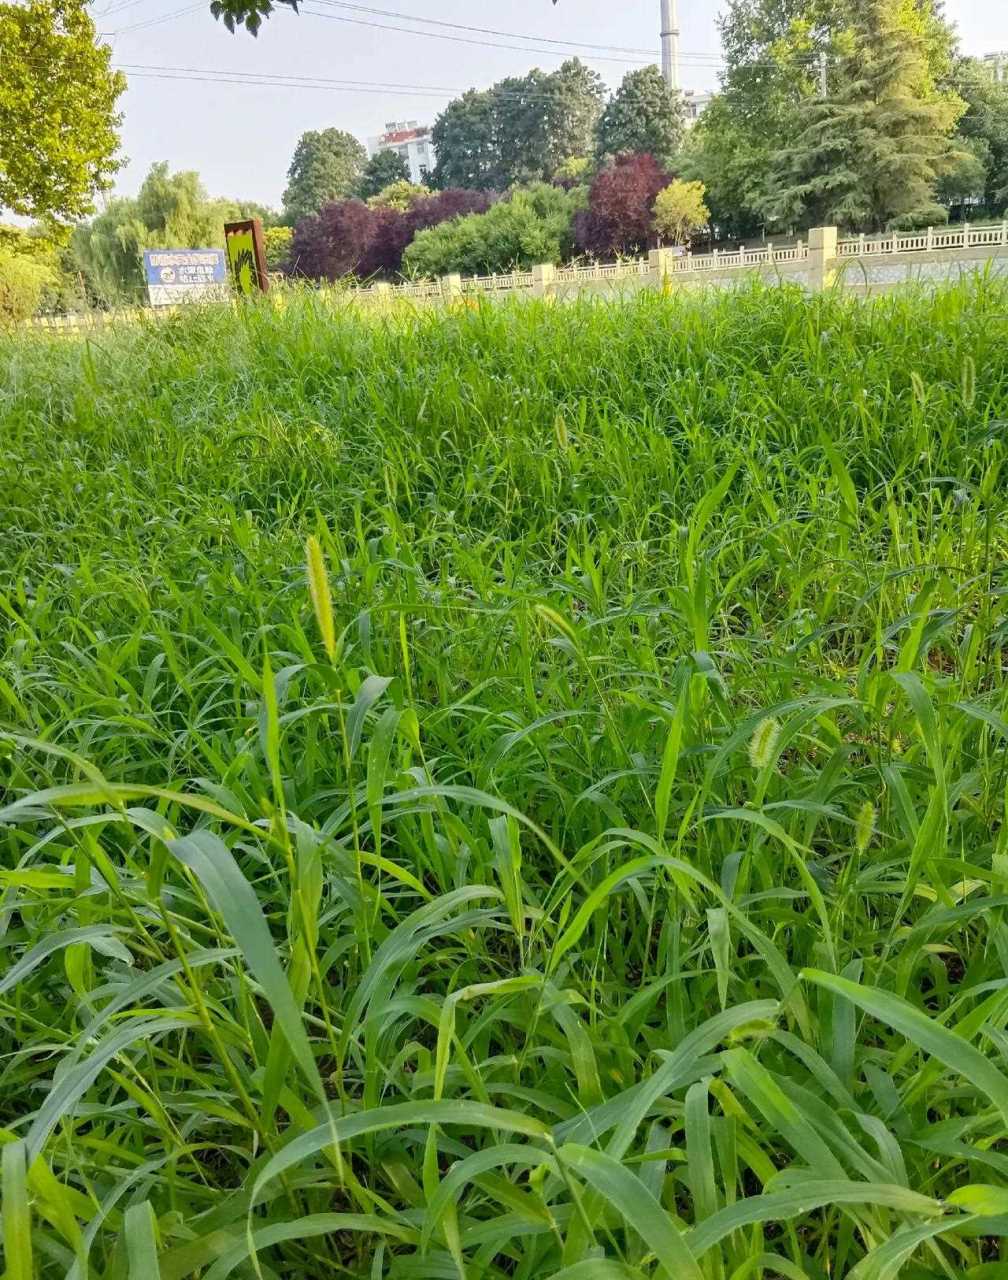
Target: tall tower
{"points": [[670, 43]]}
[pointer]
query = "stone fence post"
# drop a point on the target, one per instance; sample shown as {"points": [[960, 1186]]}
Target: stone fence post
{"points": [[451, 287], [822, 257], [543, 279], [660, 264]]}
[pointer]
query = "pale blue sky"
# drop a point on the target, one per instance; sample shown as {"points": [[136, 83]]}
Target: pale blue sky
{"points": [[240, 136]]}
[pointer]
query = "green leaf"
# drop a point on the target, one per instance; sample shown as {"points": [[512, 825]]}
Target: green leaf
{"points": [[945, 1045], [140, 1234], [637, 1206], [210, 860]]}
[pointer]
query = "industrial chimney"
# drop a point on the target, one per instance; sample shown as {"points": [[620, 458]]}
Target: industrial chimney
{"points": [[670, 43]]}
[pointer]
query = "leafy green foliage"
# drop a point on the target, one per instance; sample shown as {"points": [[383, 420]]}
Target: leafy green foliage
{"points": [[276, 244], [871, 153], [770, 103], [679, 210], [171, 210], [58, 121], [326, 165], [982, 138], [399, 195], [644, 116], [520, 130], [246, 13], [534, 225], [23, 281], [571, 738], [384, 169]]}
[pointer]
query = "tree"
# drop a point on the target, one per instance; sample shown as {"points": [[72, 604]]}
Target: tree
{"points": [[871, 153], [520, 130], [22, 283], [171, 210], [572, 172], [327, 164], [58, 120], [772, 53], [465, 142], [619, 218], [982, 138], [644, 115], [381, 171], [542, 118], [679, 211]]}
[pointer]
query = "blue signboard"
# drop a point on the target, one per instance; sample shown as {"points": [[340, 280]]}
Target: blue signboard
{"points": [[184, 275]]}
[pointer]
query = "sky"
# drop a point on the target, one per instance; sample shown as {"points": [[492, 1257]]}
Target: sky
{"points": [[240, 136]]}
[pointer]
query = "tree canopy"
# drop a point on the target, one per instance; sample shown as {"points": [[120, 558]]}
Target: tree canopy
{"points": [[58, 119], [679, 210], [520, 130], [326, 165], [644, 115], [381, 171], [771, 100]]}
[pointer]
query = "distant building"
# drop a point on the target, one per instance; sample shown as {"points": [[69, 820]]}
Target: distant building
{"points": [[695, 103], [412, 141], [998, 64]]}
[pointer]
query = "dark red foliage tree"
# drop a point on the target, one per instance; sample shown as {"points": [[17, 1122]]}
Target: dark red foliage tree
{"points": [[618, 218], [348, 237], [334, 241]]}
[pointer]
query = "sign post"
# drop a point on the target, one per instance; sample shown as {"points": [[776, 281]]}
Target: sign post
{"points": [[184, 275], [246, 257]]}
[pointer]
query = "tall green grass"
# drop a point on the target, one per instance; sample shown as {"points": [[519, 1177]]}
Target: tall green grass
{"points": [[509, 792]]}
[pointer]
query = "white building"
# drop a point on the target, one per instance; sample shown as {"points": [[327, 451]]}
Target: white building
{"points": [[998, 64], [412, 141], [695, 103]]}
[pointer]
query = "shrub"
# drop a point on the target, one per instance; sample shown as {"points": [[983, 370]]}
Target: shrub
{"points": [[349, 237], [618, 219], [533, 225], [277, 243], [22, 283]]}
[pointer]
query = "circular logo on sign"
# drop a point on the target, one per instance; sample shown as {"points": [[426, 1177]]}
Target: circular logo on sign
{"points": [[167, 275]]}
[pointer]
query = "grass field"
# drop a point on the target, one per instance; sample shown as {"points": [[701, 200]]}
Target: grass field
{"points": [[517, 792]]}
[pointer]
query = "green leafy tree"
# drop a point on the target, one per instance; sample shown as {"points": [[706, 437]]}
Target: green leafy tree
{"points": [[520, 130], [171, 210], [544, 117], [644, 116], [772, 78], [679, 211], [327, 165], [58, 120], [982, 139], [381, 171], [464, 137], [870, 154]]}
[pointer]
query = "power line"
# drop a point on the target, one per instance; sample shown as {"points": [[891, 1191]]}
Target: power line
{"points": [[437, 35], [154, 22], [485, 31]]}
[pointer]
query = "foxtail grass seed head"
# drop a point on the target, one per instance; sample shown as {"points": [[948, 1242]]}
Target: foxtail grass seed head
{"points": [[968, 382], [864, 828], [763, 744], [919, 390], [560, 431], [321, 598]]}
